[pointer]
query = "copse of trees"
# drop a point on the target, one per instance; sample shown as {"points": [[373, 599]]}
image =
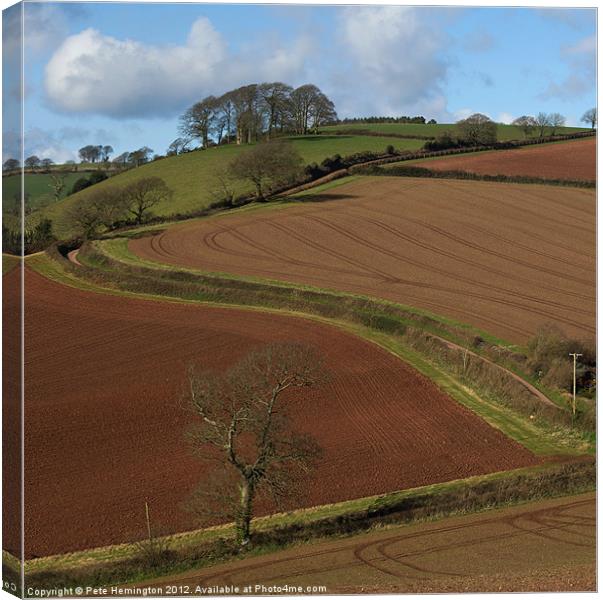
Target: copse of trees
{"points": [[94, 154], [477, 130], [268, 164], [253, 112], [403, 119], [110, 206], [10, 164], [84, 182]]}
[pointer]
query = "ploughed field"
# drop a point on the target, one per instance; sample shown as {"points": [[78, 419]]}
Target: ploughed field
{"points": [[568, 160], [503, 257], [105, 416], [548, 545]]}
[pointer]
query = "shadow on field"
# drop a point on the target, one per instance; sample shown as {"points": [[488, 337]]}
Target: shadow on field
{"points": [[324, 197]]}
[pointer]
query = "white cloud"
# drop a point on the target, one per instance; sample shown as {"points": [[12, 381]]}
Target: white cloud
{"points": [[506, 118], [580, 59], [395, 57], [95, 73]]}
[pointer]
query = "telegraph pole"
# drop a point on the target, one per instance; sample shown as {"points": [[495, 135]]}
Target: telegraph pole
{"points": [[575, 355]]}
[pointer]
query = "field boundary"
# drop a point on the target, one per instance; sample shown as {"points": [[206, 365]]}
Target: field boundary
{"points": [[407, 332], [204, 547]]}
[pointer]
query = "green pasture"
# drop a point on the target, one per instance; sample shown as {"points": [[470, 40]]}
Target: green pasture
{"points": [[37, 188]]}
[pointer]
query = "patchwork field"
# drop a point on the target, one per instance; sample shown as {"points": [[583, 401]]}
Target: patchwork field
{"points": [[543, 546], [505, 258], [105, 415], [568, 160]]}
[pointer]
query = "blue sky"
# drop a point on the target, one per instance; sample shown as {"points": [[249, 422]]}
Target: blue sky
{"points": [[120, 74]]}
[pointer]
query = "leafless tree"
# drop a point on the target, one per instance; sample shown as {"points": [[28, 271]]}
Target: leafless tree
{"points": [[99, 209], [526, 123], [57, 183], [199, 120], [557, 120], [142, 194], [245, 426], [543, 120], [272, 162], [274, 98], [590, 116], [221, 185]]}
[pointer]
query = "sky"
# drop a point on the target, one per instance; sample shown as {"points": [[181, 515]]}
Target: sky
{"points": [[120, 74]]}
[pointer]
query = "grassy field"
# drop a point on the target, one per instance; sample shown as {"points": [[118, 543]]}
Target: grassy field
{"points": [[36, 186], [505, 132], [189, 175]]}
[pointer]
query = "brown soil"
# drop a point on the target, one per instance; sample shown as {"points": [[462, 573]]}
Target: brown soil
{"points": [[544, 546], [506, 258], [571, 160], [105, 416]]}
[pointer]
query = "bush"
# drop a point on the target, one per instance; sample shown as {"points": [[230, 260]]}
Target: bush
{"points": [[390, 149]]}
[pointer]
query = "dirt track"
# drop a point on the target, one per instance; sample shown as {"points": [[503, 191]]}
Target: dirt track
{"points": [[506, 258], [549, 545], [570, 160], [105, 422]]}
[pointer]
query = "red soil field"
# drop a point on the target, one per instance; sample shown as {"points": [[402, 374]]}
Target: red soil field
{"points": [[503, 257], [548, 545], [568, 160], [105, 417]]}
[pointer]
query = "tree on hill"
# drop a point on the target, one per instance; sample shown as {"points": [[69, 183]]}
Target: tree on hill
{"points": [[90, 153], [31, 162], [10, 164], [244, 425], [140, 156], [557, 120], [543, 120], [268, 163], [142, 194], [590, 116], [46, 163], [101, 208], [178, 146], [526, 123], [106, 152], [477, 130], [199, 120], [274, 98]]}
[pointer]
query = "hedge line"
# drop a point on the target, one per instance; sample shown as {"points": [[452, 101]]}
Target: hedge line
{"points": [[459, 497], [414, 171]]}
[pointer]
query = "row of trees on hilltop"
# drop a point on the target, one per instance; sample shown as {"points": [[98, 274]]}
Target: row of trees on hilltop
{"points": [[360, 120], [252, 112]]}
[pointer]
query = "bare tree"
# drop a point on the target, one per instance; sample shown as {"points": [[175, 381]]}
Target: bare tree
{"points": [[478, 129], [221, 185], [178, 146], [10, 164], [590, 116], [272, 163], [57, 184], [542, 122], [199, 120], [274, 98], [101, 208], [245, 426], [526, 123], [141, 195], [31, 162], [557, 120], [46, 163]]}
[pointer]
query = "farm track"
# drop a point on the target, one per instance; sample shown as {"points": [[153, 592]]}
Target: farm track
{"points": [[510, 549], [571, 160], [105, 419], [479, 252]]}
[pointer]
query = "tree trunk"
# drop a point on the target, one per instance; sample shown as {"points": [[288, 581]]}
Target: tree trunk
{"points": [[243, 524]]}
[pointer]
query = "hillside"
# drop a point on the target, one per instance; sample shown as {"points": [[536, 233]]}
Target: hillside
{"points": [[505, 132], [189, 175]]}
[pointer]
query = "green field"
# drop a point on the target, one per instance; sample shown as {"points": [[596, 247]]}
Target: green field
{"points": [[36, 186], [189, 175], [505, 132]]}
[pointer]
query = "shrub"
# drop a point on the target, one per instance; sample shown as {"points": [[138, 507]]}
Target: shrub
{"points": [[390, 149]]}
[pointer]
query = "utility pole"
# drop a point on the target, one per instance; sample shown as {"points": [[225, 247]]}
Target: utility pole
{"points": [[575, 355]]}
